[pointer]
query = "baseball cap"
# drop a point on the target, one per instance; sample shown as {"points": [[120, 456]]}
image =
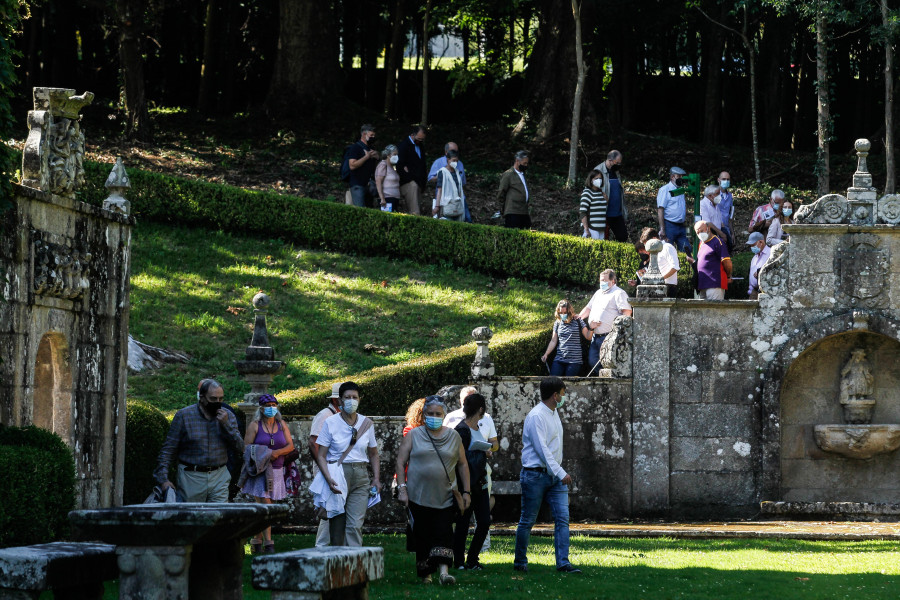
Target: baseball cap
{"points": [[754, 237]]}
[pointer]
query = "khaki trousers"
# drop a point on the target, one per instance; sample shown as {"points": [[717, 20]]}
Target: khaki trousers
{"points": [[196, 486], [412, 197], [346, 529]]}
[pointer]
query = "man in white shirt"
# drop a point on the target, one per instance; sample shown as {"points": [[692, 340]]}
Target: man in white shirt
{"points": [[322, 537], [609, 302], [666, 260], [761, 254], [543, 478]]}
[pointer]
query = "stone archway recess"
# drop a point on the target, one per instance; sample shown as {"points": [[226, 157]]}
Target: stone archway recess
{"points": [[770, 416], [53, 401]]}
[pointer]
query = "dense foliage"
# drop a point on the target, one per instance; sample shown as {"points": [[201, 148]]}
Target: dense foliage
{"points": [[145, 431], [38, 490], [389, 390], [9, 23]]}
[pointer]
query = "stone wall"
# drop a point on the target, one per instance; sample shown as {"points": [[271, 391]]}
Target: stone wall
{"points": [[64, 272]]}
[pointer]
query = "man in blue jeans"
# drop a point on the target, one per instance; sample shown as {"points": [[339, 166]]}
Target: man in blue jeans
{"points": [[542, 477], [672, 212]]}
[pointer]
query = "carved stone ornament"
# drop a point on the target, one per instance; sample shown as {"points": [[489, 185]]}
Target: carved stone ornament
{"points": [[889, 209], [54, 150], [482, 366], [617, 351], [773, 277], [117, 183], [861, 268], [857, 388], [831, 208], [59, 270]]}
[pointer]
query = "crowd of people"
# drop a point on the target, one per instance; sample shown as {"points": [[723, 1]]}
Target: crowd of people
{"points": [[442, 473]]}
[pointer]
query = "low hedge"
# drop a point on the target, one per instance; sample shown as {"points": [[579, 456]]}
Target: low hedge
{"points": [[342, 228], [38, 488], [145, 431], [389, 390]]}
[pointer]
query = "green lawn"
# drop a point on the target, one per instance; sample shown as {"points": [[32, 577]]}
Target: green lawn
{"points": [[659, 568], [191, 291]]}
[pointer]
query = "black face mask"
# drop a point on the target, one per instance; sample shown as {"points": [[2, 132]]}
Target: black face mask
{"points": [[679, 181], [614, 168], [523, 168], [371, 140], [213, 407]]}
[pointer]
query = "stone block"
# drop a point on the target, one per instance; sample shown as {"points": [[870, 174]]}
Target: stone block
{"points": [[318, 569], [713, 420], [730, 387], [691, 353], [712, 488], [684, 387], [711, 454], [59, 566]]}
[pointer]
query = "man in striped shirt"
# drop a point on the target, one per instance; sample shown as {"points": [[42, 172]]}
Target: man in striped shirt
{"points": [[200, 435]]}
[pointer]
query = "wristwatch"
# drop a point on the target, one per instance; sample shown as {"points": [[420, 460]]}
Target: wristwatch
{"points": [[402, 485]]}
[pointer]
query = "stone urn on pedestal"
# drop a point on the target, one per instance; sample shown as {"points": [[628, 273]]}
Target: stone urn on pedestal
{"points": [[259, 366]]}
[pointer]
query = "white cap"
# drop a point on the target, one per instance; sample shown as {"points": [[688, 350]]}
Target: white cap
{"points": [[334, 390]]}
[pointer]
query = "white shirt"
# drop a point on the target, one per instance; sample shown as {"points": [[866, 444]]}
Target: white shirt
{"points": [[319, 420], [709, 212], [604, 307], [542, 439], [522, 177], [667, 260], [485, 423], [757, 263], [336, 435]]}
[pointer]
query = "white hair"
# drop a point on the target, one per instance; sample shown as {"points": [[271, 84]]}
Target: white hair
{"points": [[710, 189], [467, 391], [777, 195]]}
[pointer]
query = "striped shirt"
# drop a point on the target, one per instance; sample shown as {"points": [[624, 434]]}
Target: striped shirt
{"points": [[593, 206], [569, 348], [197, 440]]}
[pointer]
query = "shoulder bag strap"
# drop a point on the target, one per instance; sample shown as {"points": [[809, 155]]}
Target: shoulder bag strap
{"points": [[446, 472], [364, 427]]}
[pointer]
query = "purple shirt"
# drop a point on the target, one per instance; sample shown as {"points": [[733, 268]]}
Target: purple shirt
{"points": [[275, 441], [709, 263]]}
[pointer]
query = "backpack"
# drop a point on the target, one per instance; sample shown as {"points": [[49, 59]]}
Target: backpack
{"points": [[345, 164]]}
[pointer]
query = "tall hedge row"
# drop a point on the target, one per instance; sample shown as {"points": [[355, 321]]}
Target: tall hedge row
{"points": [[145, 431], [342, 228], [389, 390], [38, 488]]}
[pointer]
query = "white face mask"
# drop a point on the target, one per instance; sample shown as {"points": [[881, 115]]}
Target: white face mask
{"points": [[394, 159], [350, 405], [716, 199], [597, 182], [454, 164], [703, 236]]}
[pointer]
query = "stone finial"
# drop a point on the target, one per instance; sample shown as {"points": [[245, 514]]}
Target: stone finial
{"points": [[259, 366], [52, 160], [652, 285], [862, 146], [862, 196], [482, 366], [117, 183]]}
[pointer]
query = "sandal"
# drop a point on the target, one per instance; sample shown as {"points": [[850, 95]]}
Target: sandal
{"points": [[447, 579], [255, 546]]}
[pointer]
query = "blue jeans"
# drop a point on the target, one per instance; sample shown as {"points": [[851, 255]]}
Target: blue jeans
{"points": [[562, 369], [677, 236], [358, 193], [537, 487], [594, 351]]}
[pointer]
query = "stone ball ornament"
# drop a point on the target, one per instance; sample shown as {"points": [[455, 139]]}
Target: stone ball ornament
{"points": [[482, 334], [261, 301], [862, 145], [653, 246]]}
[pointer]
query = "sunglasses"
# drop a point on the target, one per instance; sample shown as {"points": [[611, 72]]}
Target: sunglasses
{"points": [[353, 436]]}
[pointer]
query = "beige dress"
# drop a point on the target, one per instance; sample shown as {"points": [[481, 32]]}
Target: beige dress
{"points": [[426, 480]]}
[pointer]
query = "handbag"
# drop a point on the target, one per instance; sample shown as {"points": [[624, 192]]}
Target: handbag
{"points": [[456, 494], [321, 513]]}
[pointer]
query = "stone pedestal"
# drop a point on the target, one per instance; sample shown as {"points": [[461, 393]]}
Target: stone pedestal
{"points": [[652, 284], [482, 366], [154, 572], [259, 366]]}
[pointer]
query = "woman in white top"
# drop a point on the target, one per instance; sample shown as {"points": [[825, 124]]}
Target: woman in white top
{"points": [[448, 202], [342, 487], [784, 216], [387, 180]]}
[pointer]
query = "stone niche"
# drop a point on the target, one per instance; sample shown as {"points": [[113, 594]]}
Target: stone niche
{"points": [[810, 397], [64, 281]]}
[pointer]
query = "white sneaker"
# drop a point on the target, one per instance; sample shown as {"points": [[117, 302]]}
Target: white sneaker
{"points": [[487, 543]]}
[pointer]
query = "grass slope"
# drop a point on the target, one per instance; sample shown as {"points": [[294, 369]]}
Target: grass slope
{"points": [[191, 291]]}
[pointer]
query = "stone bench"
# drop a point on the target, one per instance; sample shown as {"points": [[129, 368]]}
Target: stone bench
{"points": [[70, 569], [506, 488], [329, 573]]}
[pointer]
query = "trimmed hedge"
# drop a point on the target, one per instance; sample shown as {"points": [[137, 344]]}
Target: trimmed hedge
{"points": [[389, 390], [313, 223], [38, 488], [145, 431]]}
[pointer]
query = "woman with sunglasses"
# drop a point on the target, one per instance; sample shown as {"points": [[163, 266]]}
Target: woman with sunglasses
{"points": [[427, 463], [342, 488], [568, 330]]}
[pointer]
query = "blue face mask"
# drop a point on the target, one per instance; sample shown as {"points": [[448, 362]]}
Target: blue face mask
{"points": [[604, 285], [787, 212], [434, 423], [776, 206], [754, 249], [270, 411], [725, 184], [562, 400]]}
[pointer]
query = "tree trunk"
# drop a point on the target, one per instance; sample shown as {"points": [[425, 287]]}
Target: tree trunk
{"points": [[512, 39], [751, 57], [426, 60], [824, 124], [210, 68], [131, 61], [712, 71], [579, 91], [392, 68], [890, 175], [306, 54]]}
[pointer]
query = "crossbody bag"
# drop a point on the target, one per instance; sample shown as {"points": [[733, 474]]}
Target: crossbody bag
{"points": [[456, 495]]}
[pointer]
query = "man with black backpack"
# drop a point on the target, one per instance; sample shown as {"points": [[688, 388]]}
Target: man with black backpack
{"points": [[358, 166]]}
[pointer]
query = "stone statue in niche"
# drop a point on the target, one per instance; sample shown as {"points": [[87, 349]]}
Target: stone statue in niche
{"points": [[857, 388]]}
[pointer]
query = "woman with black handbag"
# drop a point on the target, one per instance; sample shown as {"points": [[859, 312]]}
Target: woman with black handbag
{"points": [[427, 462], [476, 456]]}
